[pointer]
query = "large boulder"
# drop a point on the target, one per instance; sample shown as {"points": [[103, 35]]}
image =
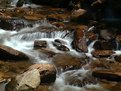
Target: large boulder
{"points": [[33, 78], [25, 82], [8, 53], [47, 72]]}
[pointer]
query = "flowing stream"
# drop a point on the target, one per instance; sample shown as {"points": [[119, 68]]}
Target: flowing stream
{"points": [[23, 40]]}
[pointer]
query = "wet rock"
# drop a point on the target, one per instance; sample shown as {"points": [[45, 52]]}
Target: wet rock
{"points": [[118, 58], [48, 52], [8, 53], [111, 75], [47, 72], [20, 3], [11, 24], [79, 42], [65, 62], [38, 44], [59, 44], [102, 53], [104, 45], [26, 81], [4, 24]]}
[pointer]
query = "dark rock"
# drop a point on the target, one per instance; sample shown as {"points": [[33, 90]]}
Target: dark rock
{"points": [[63, 48], [11, 24], [59, 44], [68, 62], [20, 3], [38, 44], [118, 58], [104, 45], [47, 72], [8, 53], [102, 53], [111, 75], [4, 24]]}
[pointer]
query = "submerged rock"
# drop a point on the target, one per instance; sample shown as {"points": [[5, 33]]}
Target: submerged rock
{"points": [[8, 53]]}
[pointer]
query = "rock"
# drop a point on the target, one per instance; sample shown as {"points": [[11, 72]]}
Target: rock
{"points": [[102, 53], [8, 53], [11, 24], [62, 48], [48, 52], [118, 58], [26, 81], [38, 44], [118, 38], [108, 74], [104, 45], [79, 42], [65, 62], [47, 72], [59, 44], [4, 24], [20, 3]]}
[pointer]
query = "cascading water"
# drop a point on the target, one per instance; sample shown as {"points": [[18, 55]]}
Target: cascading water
{"points": [[23, 40]]}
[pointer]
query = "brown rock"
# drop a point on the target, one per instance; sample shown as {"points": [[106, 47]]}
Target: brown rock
{"points": [[77, 13], [79, 42], [8, 53], [102, 53], [40, 44], [118, 58], [47, 72], [111, 75], [48, 52], [118, 38], [60, 45], [68, 62]]}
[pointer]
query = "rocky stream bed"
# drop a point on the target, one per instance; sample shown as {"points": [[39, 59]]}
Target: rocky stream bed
{"points": [[59, 48]]}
